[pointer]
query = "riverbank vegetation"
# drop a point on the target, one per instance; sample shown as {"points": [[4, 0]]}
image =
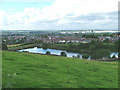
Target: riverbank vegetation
{"points": [[83, 47], [27, 70], [97, 49]]}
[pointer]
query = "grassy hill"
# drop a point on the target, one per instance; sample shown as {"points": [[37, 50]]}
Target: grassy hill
{"points": [[42, 71]]}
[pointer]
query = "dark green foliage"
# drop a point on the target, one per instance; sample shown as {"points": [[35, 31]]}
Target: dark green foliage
{"points": [[91, 47], [116, 44], [109, 57], [89, 36], [25, 51], [99, 54], [48, 52], [113, 56], [85, 56], [78, 56], [119, 56], [71, 48], [4, 46], [38, 41], [106, 40], [73, 56], [96, 56], [44, 45], [84, 47], [63, 54]]}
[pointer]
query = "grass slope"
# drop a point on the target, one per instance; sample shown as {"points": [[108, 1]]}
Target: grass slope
{"points": [[42, 71]]}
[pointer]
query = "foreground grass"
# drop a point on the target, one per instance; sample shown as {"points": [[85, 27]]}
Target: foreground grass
{"points": [[42, 71]]}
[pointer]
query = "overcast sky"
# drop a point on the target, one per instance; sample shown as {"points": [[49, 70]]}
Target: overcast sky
{"points": [[58, 14]]}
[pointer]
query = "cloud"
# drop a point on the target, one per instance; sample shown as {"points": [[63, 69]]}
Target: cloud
{"points": [[2, 19], [65, 14], [27, 0]]}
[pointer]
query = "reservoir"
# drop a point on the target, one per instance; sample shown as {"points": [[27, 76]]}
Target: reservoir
{"points": [[58, 52]]}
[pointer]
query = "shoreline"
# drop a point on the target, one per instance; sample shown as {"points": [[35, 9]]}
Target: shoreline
{"points": [[108, 60]]}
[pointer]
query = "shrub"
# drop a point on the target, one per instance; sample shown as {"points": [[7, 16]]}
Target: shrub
{"points": [[119, 56], [109, 57], [44, 45], [113, 56], [48, 52], [78, 56], [85, 56], [4, 46], [63, 54], [74, 56], [25, 51], [99, 54]]}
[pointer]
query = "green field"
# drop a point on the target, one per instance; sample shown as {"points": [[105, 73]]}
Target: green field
{"points": [[19, 46], [42, 71], [14, 45], [67, 44]]}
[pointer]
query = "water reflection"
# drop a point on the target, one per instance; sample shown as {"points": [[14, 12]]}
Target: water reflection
{"points": [[58, 52]]}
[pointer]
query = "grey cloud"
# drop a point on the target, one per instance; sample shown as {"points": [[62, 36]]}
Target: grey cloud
{"points": [[88, 22], [74, 23], [95, 16], [27, 17]]}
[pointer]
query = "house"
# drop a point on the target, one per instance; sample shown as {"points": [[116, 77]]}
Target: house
{"points": [[101, 38], [62, 41], [19, 37]]}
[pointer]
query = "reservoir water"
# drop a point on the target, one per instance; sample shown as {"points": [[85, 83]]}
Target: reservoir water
{"points": [[58, 52]]}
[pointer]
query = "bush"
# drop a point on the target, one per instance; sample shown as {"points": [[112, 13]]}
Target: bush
{"points": [[99, 54], [78, 56], [25, 51], [45, 45], [113, 56], [74, 56], [85, 56], [63, 54], [109, 57], [119, 56], [4, 46], [96, 56], [48, 52]]}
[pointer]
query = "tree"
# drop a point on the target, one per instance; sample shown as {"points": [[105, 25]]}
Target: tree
{"points": [[106, 40], [44, 36], [44, 45], [92, 42], [4, 46], [48, 52], [85, 56], [37, 41], [70, 48], [117, 45], [101, 53], [94, 45], [63, 54], [109, 57], [119, 56], [92, 48], [73, 56], [113, 56], [78, 56]]}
